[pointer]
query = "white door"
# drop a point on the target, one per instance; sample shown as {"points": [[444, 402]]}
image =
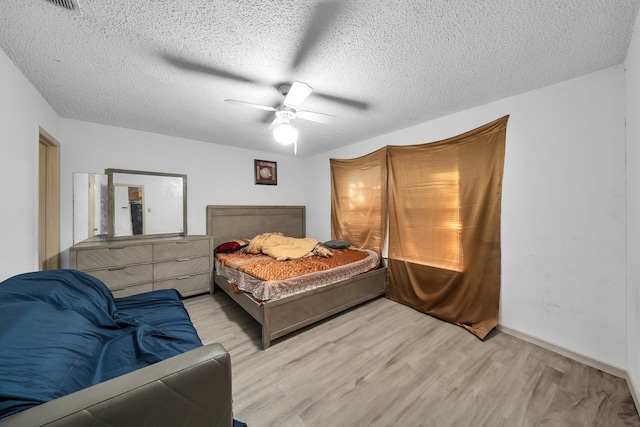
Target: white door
{"points": [[122, 214]]}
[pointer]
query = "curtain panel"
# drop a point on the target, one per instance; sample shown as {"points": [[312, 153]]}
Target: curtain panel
{"points": [[444, 226], [359, 200]]}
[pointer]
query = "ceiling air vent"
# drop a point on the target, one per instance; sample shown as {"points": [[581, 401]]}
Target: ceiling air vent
{"points": [[67, 4]]}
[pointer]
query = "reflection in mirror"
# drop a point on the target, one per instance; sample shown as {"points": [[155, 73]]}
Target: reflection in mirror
{"points": [[90, 206], [129, 202], [146, 203]]}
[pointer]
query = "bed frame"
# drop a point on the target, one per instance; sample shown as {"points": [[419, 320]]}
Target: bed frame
{"points": [[282, 316]]}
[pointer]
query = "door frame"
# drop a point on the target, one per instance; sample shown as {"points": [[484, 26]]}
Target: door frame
{"points": [[48, 201]]}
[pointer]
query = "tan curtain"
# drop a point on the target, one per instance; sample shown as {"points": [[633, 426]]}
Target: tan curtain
{"points": [[444, 226], [359, 200]]}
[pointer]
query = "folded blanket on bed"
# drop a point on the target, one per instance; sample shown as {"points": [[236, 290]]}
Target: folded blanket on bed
{"points": [[283, 248]]}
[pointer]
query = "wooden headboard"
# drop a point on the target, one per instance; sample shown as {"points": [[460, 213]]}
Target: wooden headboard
{"points": [[245, 222]]}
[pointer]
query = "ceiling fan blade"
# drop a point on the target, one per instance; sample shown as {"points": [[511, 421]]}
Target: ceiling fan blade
{"points": [[316, 117], [196, 67], [276, 122], [324, 14], [267, 117], [344, 101], [251, 105], [297, 94]]}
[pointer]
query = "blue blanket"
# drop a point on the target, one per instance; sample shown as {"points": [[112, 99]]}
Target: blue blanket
{"points": [[62, 331]]}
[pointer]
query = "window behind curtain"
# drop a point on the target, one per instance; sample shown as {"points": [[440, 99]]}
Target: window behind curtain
{"points": [[444, 202], [359, 200], [444, 226], [429, 220]]}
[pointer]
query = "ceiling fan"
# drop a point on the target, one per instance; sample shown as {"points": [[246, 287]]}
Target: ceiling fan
{"points": [[294, 95], [324, 14]]}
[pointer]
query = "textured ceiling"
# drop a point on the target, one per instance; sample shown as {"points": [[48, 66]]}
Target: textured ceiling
{"points": [[378, 65]]}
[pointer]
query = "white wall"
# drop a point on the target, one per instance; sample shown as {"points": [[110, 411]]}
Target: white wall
{"points": [[563, 211], [22, 112], [632, 86], [216, 174]]}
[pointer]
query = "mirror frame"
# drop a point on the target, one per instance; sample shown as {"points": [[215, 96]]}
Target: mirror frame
{"points": [[111, 215]]}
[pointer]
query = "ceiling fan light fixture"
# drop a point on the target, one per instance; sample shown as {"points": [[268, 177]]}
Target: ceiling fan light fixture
{"points": [[285, 134]]}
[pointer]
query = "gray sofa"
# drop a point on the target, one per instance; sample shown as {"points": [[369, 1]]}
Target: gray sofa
{"points": [[72, 355], [191, 389]]}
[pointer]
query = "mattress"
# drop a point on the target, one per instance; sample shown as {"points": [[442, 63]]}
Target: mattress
{"points": [[268, 279]]}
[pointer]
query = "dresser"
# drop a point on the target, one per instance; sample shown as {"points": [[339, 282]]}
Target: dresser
{"points": [[134, 266]]}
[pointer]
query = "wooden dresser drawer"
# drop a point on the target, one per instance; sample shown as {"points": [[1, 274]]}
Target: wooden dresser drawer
{"points": [[132, 290], [180, 267], [109, 257], [181, 249], [118, 277], [186, 285]]}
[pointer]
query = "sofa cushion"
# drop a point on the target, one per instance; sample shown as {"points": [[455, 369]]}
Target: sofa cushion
{"points": [[45, 352], [160, 328]]}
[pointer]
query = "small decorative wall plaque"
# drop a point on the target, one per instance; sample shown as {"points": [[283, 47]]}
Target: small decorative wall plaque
{"points": [[266, 172]]}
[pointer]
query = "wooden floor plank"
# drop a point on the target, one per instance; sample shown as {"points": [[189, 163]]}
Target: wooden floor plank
{"points": [[385, 364]]}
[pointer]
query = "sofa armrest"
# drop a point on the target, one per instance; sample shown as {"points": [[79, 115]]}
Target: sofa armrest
{"points": [[191, 389]]}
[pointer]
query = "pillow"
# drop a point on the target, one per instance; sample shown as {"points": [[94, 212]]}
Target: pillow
{"points": [[337, 244], [231, 246]]}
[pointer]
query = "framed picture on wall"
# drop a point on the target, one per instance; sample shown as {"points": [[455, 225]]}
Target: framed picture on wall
{"points": [[265, 172]]}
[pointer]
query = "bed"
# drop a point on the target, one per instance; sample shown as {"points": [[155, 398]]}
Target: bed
{"points": [[282, 316]]}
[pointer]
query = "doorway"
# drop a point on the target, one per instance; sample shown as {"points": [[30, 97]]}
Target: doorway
{"points": [[129, 210], [48, 202]]}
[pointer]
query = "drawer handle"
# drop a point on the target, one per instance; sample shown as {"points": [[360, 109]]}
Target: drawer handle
{"points": [[182, 259], [182, 277], [117, 268], [115, 249], [182, 243]]}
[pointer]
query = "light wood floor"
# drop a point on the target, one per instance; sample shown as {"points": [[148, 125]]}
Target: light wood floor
{"points": [[385, 364]]}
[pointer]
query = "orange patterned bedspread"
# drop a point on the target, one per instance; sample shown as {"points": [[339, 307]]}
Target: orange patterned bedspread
{"points": [[266, 278]]}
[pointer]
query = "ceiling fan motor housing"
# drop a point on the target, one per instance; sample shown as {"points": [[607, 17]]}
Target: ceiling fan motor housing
{"points": [[285, 113], [284, 89]]}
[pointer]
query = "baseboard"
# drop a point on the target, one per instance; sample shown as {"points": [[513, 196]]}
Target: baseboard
{"points": [[579, 357], [634, 392]]}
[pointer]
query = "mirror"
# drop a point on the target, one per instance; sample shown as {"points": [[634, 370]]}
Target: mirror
{"points": [[90, 206], [146, 203]]}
